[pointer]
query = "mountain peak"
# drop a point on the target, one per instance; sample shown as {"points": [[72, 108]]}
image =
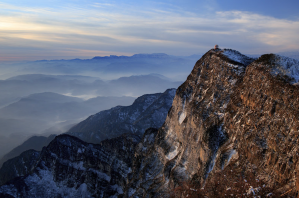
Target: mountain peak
{"points": [[154, 55], [233, 56]]}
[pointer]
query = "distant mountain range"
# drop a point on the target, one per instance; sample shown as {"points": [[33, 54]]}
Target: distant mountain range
{"points": [[15, 88], [43, 104], [48, 113], [56, 107], [108, 67]]}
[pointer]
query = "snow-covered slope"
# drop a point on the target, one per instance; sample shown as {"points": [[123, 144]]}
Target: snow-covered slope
{"points": [[237, 56], [18, 166], [69, 167], [280, 65], [286, 66], [147, 111]]}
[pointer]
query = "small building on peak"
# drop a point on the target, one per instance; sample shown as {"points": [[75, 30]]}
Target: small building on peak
{"points": [[216, 47]]}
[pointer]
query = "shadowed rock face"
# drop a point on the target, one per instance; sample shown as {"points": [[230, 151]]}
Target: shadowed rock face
{"points": [[189, 142], [147, 111], [223, 115], [69, 167], [18, 166]]}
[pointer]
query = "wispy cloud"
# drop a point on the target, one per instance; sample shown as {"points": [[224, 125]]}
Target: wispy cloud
{"points": [[95, 29]]}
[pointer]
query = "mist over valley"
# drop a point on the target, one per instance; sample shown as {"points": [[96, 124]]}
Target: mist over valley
{"points": [[49, 97]]}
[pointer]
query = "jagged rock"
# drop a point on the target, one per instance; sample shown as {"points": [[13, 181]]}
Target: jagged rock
{"points": [[189, 142], [147, 111], [223, 115], [18, 166], [262, 120], [69, 167]]}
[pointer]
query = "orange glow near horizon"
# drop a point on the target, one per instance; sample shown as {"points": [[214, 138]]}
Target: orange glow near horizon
{"points": [[30, 33]]}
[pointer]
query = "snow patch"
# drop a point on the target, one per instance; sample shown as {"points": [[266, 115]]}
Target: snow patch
{"points": [[101, 175], [287, 66], [117, 188], [9, 189], [183, 114], [236, 56], [173, 152], [43, 185], [131, 192]]}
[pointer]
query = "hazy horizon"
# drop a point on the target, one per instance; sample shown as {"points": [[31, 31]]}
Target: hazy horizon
{"points": [[49, 29]]}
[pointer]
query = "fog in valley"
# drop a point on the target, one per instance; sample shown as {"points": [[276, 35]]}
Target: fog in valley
{"points": [[49, 96]]}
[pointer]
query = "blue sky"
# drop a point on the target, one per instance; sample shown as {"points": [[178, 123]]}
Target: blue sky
{"points": [[52, 29]]}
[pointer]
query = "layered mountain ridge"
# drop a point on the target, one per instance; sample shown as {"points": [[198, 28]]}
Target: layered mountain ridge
{"points": [[233, 112], [69, 167], [147, 111]]}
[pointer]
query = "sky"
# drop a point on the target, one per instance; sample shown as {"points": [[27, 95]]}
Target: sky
{"points": [[52, 29]]}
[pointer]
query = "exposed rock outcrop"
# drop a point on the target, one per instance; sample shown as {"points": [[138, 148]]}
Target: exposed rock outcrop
{"points": [[18, 166], [262, 121], [189, 143], [223, 116], [69, 167], [149, 110]]}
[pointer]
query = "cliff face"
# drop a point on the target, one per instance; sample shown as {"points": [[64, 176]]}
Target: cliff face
{"points": [[69, 167], [189, 142], [18, 166], [224, 116], [262, 121], [233, 115], [147, 111]]}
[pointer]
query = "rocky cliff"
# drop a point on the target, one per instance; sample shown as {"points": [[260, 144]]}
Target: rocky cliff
{"points": [[149, 110], [262, 122], [232, 111], [188, 143], [69, 167], [18, 166]]}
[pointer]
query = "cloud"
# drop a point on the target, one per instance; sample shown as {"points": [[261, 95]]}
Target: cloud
{"points": [[96, 29]]}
